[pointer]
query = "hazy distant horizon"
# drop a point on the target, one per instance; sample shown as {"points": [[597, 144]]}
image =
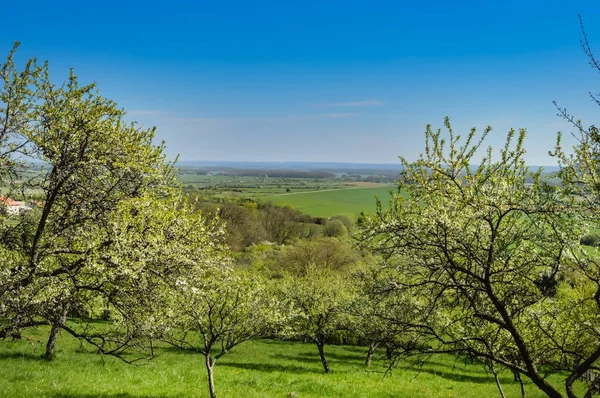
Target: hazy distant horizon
{"points": [[305, 164]]}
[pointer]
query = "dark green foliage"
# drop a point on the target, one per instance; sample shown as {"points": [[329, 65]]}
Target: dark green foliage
{"points": [[590, 240]]}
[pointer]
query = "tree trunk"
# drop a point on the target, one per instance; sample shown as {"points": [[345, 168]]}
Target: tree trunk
{"points": [[320, 346], [580, 369], [389, 352], [498, 382], [211, 380], [372, 348], [57, 324], [594, 387], [152, 347], [545, 387], [524, 353], [518, 378]]}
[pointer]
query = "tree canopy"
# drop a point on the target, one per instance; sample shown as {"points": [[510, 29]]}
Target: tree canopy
{"points": [[488, 252], [106, 208]]}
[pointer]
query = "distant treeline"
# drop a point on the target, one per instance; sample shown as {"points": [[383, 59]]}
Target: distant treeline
{"points": [[365, 172], [261, 173], [371, 178], [365, 175]]}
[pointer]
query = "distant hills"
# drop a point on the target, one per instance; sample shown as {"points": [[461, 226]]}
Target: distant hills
{"points": [[334, 167], [303, 166]]}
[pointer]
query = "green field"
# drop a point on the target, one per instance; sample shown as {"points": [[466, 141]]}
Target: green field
{"points": [[328, 203], [257, 187], [323, 197], [260, 369]]}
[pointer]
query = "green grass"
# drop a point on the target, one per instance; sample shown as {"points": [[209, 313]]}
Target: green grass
{"points": [[259, 369], [328, 203]]}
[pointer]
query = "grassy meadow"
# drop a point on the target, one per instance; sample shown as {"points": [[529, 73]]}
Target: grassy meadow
{"points": [[257, 369], [350, 200]]}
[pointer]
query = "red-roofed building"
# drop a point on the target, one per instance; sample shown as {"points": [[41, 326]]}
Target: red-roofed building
{"points": [[11, 206]]}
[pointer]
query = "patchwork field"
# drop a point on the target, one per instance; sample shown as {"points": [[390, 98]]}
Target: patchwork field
{"points": [[260, 369]]}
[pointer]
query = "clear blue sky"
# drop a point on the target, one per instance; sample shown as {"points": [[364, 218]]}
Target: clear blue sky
{"points": [[320, 80]]}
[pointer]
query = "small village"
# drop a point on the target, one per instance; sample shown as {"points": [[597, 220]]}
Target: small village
{"points": [[13, 207]]}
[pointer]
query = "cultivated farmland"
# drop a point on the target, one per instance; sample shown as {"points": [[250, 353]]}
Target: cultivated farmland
{"points": [[330, 202]]}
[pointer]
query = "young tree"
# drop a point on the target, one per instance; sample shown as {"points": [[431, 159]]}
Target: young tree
{"points": [[215, 309], [380, 312], [318, 303], [482, 250]]}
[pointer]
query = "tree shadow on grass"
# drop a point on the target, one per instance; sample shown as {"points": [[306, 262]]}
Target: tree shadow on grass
{"points": [[106, 395], [270, 367], [174, 350], [357, 349], [304, 358], [278, 342], [336, 356], [455, 376], [458, 365], [313, 357], [20, 355]]}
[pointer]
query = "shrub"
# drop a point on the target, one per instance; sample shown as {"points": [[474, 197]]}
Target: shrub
{"points": [[335, 228]]}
